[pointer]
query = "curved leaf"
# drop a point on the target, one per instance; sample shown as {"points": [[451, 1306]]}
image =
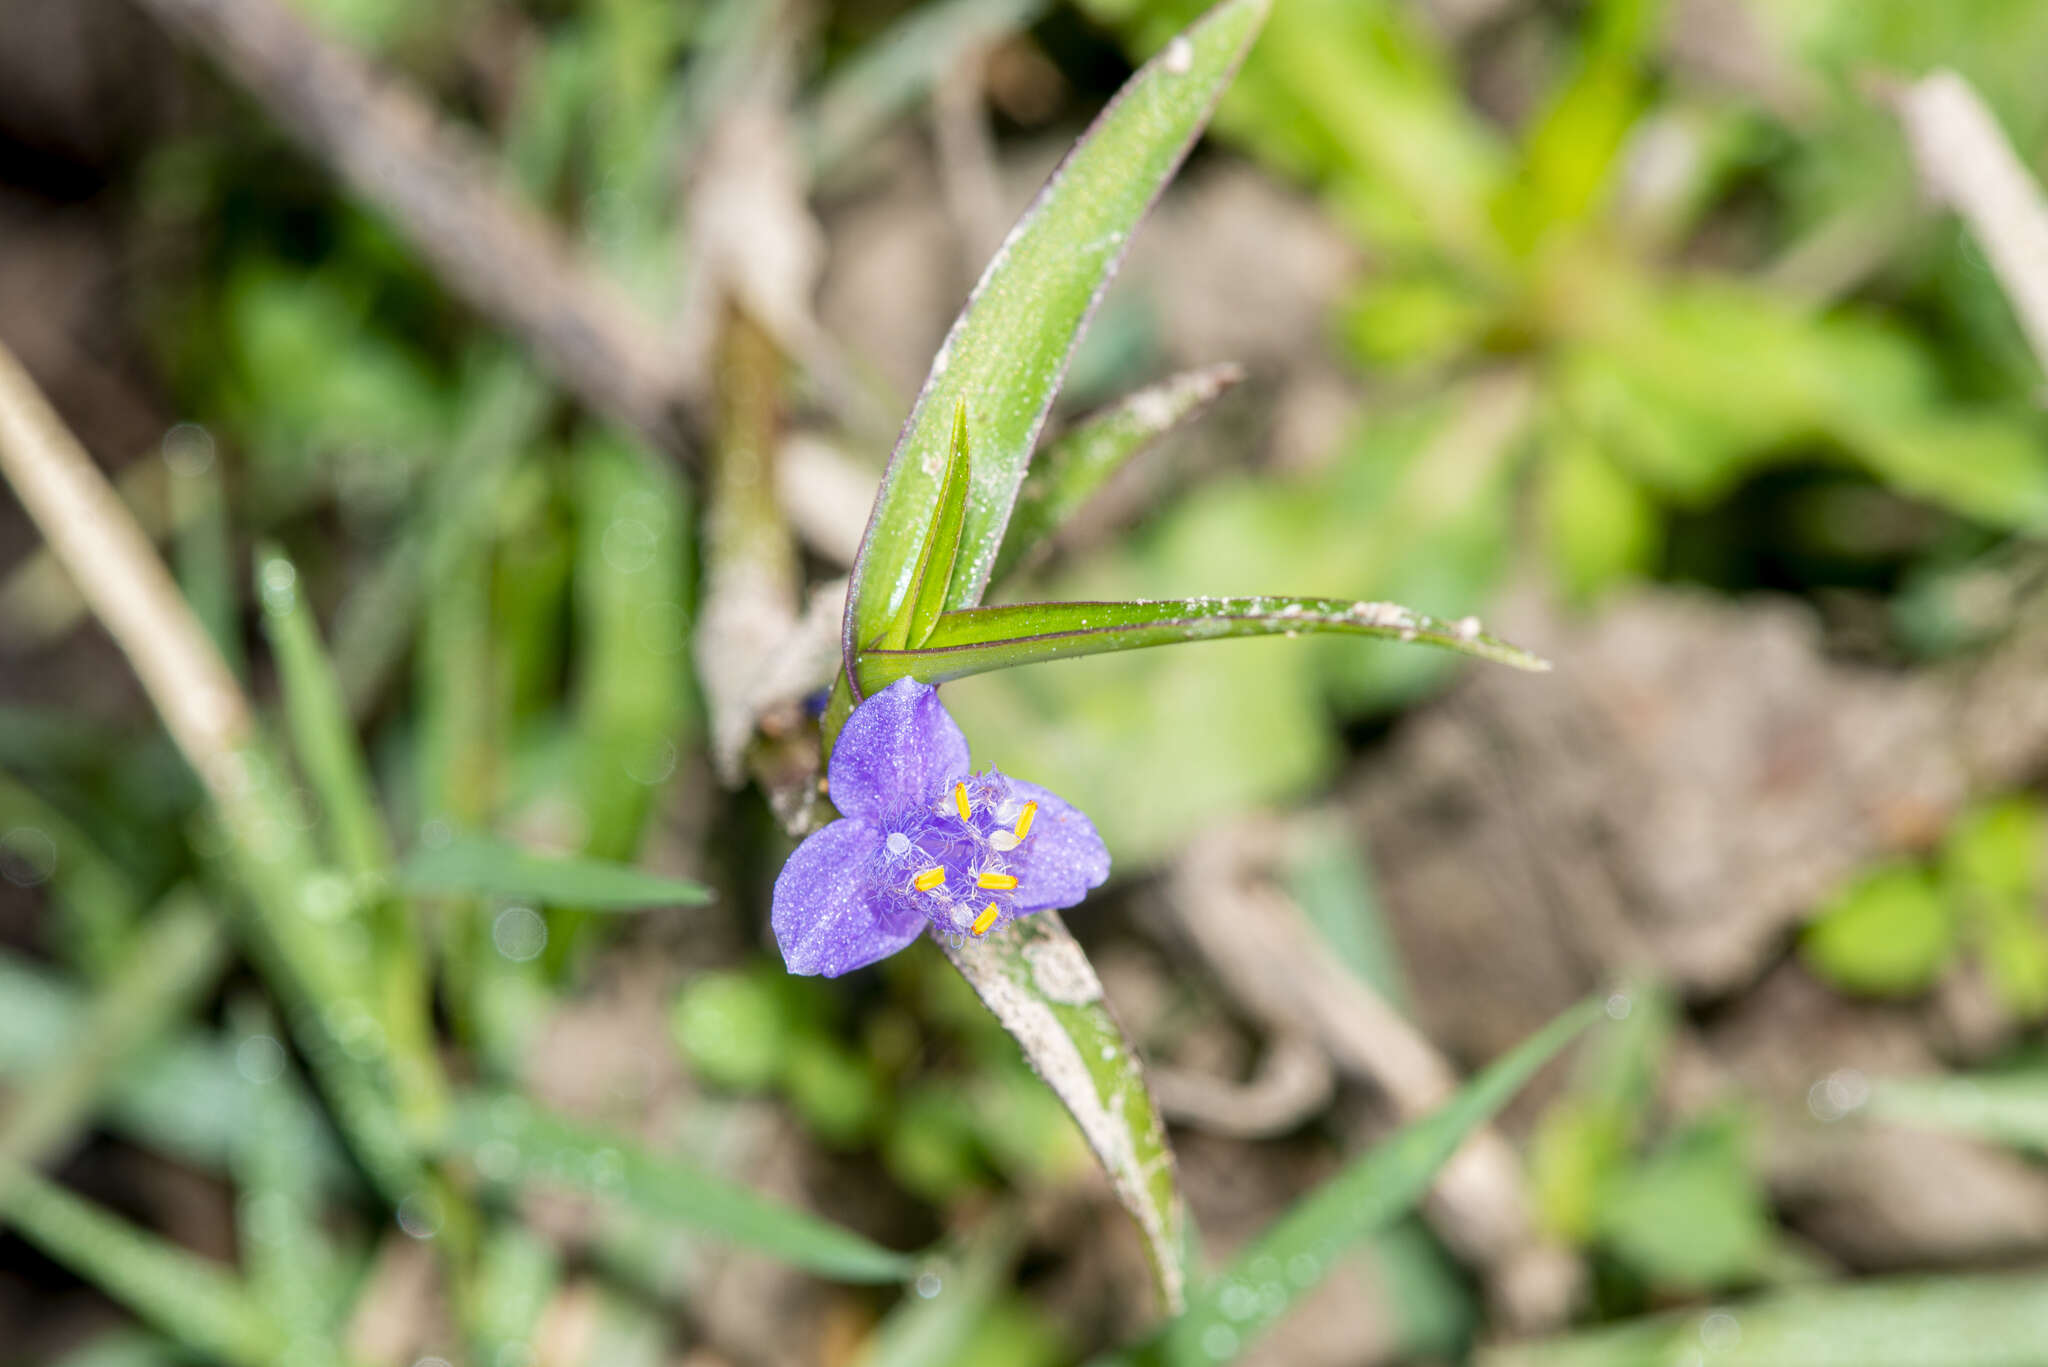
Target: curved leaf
{"points": [[1294, 1255], [1036, 980], [1008, 350], [1069, 472], [981, 639]]}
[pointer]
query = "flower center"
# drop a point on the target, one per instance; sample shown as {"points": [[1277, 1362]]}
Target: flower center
{"points": [[958, 861]]}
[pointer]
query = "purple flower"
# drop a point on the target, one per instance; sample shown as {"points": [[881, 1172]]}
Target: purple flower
{"points": [[923, 841]]}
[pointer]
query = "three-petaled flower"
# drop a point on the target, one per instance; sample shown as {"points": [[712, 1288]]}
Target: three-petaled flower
{"points": [[923, 841]]}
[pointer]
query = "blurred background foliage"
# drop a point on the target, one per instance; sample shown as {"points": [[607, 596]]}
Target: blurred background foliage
{"points": [[1627, 294]]}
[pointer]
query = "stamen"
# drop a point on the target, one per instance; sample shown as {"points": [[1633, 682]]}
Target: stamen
{"points": [[960, 800], [984, 921], [1024, 821], [996, 880], [928, 879]]}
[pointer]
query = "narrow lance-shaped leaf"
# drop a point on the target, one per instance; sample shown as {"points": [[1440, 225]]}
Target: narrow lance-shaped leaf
{"points": [[1074, 468], [1294, 1255], [1970, 1320], [476, 866], [197, 1302], [1008, 350], [935, 564], [981, 639], [322, 735], [1039, 984], [509, 1139]]}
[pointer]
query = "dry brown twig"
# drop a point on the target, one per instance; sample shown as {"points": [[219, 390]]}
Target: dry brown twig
{"points": [[1263, 949], [439, 190], [117, 570], [1966, 162]]}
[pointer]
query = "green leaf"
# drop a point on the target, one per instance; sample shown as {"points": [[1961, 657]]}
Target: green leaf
{"points": [[508, 1139], [478, 866], [1009, 349], [1041, 987], [1888, 934], [1991, 871], [2006, 1108], [1294, 1255], [1951, 1321], [1690, 1217], [1068, 473], [323, 739], [941, 553], [980, 639], [171, 964], [192, 1300], [932, 1332], [896, 67]]}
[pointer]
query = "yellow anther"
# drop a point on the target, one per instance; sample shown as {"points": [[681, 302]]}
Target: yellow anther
{"points": [[960, 800], [1024, 819], [928, 879], [984, 921], [995, 880]]}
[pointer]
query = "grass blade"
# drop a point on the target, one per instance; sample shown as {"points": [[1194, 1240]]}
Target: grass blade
{"points": [[2007, 1108], [1009, 348], [478, 866], [509, 1139], [170, 966], [322, 736], [1375, 1190], [192, 1300], [978, 640], [1953, 1321], [1068, 473]]}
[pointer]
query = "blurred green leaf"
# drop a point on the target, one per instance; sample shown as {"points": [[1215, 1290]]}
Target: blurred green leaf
{"points": [[478, 866], [171, 964], [932, 1327], [1600, 526], [1007, 351], [732, 1029], [192, 1300], [833, 1090], [1991, 869], [890, 71], [2005, 1108], [322, 736], [1332, 882], [1691, 1217], [1294, 1255], [509, 1139], [1887, 934], [1954, 1321], [1066, 474], [290, 1264]]}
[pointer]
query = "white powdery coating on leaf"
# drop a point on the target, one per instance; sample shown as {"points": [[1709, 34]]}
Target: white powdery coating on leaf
{"points": [[1051, 1051], [1062, 972], [1391, 615], [1180, 56]]}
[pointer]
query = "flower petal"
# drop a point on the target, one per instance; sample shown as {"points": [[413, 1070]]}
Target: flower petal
{"points": [[831, 913], [1062, 858], [899, 749]]}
